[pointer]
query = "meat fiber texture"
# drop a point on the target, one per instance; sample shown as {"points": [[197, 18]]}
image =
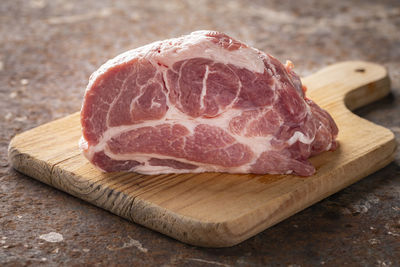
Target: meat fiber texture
{"points": [[203, 102]]}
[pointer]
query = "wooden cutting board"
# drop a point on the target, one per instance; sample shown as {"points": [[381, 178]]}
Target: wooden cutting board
{"points": [[220, 209]]}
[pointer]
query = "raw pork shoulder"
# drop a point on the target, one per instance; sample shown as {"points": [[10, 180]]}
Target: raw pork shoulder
{"points": [[198, 103]]}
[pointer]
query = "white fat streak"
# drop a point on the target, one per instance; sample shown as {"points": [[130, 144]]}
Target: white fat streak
{"points": [[152, 170], [272, 66], [154, 103], [83, 144], [258, 144], [328, 146], [87, 151], [197, 44], [173, 116], [299, 136], [204, 88]]}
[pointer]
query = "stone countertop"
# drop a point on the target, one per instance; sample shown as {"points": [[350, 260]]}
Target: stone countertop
{"points": [[48, 49]]}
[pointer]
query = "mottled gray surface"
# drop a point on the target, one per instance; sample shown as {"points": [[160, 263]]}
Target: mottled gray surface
{"points": [[48, 50]]}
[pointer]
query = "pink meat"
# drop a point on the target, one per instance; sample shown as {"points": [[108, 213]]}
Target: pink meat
{"points": [[198, 103]]}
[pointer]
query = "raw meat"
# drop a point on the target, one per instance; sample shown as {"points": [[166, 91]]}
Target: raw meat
{"points": [[198, 103]]}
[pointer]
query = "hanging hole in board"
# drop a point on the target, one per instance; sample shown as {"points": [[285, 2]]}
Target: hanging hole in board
{"points": [[362, 70]]}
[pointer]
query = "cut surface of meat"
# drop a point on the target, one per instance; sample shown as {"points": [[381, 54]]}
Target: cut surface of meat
{"points": [[203, 102]]}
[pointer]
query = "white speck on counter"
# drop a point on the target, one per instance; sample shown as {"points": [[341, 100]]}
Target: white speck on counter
{"points": [[20, 119], [132, 243], [384, 263], [363, 205], [396, 208], [374, 241], [393, 234], [52, 237], [43, 259], [13, 95], [24, 81], [2, 242], [86, 250]]}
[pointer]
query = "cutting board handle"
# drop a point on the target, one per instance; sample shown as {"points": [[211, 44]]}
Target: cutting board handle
{"points": [[352, 84]]}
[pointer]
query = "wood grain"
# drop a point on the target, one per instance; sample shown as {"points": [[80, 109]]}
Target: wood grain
{"points": [[220, 209]]}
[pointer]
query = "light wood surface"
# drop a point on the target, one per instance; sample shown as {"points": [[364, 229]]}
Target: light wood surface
{"points": [[219, 209]]}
